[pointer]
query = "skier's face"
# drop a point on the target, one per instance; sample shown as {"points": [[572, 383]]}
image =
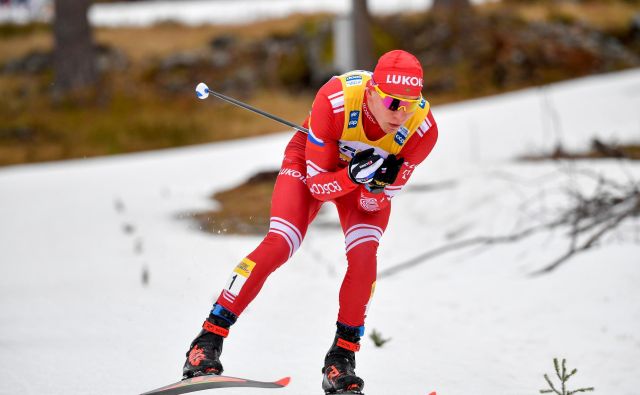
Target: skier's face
{"points": [[390, 120]]}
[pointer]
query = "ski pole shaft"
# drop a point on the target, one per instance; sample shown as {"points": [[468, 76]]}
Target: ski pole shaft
{"points": [[203, 91]]}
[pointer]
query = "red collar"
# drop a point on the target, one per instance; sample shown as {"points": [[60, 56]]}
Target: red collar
{"points": [[365, 109], [371, 128]]}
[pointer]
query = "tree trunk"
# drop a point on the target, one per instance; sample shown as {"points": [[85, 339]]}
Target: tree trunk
{"points": [[74, 55], [362, 35]]}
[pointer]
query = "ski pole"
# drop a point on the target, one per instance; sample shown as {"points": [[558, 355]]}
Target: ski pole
{"points": [[203, 91]]}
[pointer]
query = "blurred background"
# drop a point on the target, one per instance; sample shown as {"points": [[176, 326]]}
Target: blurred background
{"points": [[82, 78]]}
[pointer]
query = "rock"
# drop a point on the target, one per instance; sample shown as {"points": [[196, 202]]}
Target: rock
{"points": [[110, 59], [224, 42], [34, 62], [220, 58], [180, 60]]}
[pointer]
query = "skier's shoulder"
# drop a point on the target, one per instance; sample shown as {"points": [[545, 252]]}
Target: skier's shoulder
{"points": [[422, 141], [331, 89], [428, 124], [329, 102], [334, 87], [327, 113]]}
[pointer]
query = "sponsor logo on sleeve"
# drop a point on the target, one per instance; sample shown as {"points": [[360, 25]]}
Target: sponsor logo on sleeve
{"points": [[325, 189], [293, 173], [407, 170]]}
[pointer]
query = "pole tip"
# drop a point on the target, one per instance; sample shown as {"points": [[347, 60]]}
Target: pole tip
{"points": [[202, 91]]}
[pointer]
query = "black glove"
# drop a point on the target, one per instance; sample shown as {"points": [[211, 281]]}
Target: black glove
{"points": [[386, 174], [363, 166]]}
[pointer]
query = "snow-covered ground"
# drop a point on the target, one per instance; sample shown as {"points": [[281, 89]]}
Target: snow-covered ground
{"points": [[76, 236]]}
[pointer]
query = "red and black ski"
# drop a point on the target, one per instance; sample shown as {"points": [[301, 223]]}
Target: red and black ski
{"points": [[212, 381]]}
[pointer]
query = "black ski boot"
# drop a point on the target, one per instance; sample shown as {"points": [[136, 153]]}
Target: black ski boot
{"points": [[203, 356], [339, 375]]}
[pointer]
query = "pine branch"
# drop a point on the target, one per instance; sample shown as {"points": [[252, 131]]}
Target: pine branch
{"points": [[612, 224], [561, 372], [587, 221], [564, 376], [377, 338], [464, 244], [581, 390], [553, 389]]}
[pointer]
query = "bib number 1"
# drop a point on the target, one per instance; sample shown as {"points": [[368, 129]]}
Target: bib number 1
{"points": [[239, 276]]}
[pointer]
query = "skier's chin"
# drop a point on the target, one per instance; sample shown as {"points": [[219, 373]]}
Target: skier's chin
{"points": [[391, 128]]}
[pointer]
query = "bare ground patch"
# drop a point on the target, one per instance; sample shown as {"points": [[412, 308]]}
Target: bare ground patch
{"points": [[244, 209]]}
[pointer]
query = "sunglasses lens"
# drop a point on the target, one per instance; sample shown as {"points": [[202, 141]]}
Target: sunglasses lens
{"points": [[411, 106], [391, 103], [394, 104]]}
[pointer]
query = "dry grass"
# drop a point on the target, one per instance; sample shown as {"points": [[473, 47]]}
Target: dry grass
{"points": [[167, 38], [16, 47], [141, 43], [604, 15], [120, 121], [127, 114], [601, 15]]}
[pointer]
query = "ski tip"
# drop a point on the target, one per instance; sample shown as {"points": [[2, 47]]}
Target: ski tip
{"points": [[284, 381]]}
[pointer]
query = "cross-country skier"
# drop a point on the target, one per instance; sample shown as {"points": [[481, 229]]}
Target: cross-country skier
{"points": [[367, 133]]}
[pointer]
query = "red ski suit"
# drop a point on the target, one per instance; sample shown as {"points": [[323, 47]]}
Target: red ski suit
{"points": [[312, 174]]}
